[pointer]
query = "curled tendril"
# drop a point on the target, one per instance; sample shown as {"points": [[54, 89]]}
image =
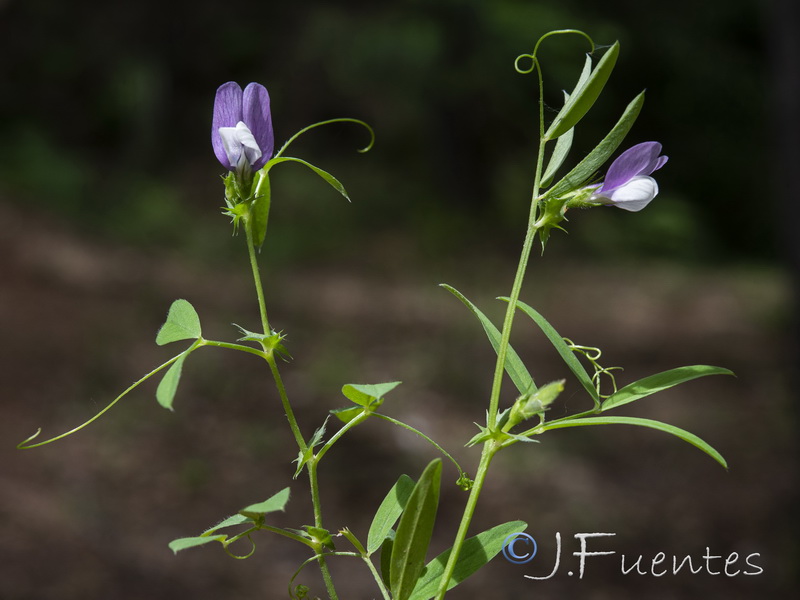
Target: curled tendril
{"points": [[532, 56], [590, 352], [238, 556], [531, 69], [607, 372], [593, 355], [367, 148]]}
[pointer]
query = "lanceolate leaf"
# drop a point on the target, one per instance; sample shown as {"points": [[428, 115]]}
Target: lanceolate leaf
{"points": [[330, 179], [563, 145], [476, 552], [182, 324], [567, 355], [661, 381], [414, 533], [601, 153], [165, 393], [681, 433], [388, 512], [584, 96], [386, 556], [514, 366]]}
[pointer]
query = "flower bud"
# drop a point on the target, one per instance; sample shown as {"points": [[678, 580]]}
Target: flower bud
{"points": [[536, 403]]}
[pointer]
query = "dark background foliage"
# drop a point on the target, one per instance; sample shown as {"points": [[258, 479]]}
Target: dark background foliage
{"points": [[109, 211]]}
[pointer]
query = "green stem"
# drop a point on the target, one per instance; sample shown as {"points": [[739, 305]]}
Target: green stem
{"points": [[239, 347], [489, 450], [315, 501], [288, 534], [269, 356], [508, 322], [287, 408], [349, 425], [377, 577], [491, 446]]}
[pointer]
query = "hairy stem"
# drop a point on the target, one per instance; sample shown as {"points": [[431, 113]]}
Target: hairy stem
{"points": [[315, 500], [491, 447], [287, 407], [489, 450]]}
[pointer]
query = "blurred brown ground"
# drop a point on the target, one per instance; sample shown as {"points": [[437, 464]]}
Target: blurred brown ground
{"points": [[91, 516]]}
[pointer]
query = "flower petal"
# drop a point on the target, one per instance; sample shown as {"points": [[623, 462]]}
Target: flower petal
{"points": [[256, 114], [662, 160], [641, 159], [634, 195], [240, 145], [227, 112]]}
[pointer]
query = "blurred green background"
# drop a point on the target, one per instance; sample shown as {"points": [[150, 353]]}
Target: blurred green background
{"points": [[109, 199]]}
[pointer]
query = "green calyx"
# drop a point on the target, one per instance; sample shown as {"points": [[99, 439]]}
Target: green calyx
{"points": [[553, 210]]}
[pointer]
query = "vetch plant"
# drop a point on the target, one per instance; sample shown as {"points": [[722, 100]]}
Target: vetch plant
{"points": [[395, 549]]}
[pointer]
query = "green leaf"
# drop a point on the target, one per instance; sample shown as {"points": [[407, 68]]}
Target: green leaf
{"points": [[584, 95], [567, 355], [190, 542], [563, 145], [660, 381], [681, 433], [581, 173], [229, 522], [346, 413], [260, 210], [182, 324], [272, 504], [330, 179], [386, 556], [165, 393], [414, 532], [476, 552], [388, 512], [514, 367], [366, 394]]}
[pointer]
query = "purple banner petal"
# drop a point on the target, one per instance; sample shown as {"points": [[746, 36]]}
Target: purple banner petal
{"points": [[256, 114], [227, 112], [641, 159]]}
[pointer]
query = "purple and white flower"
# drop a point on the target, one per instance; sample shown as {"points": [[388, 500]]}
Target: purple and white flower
{"points": [[628, 184], [241, 131]]}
